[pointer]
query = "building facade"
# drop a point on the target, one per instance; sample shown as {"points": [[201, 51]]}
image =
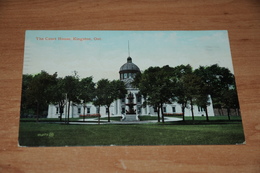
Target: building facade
{"points": [[120, 107]]}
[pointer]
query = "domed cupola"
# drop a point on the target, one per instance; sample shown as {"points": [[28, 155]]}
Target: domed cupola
{"points": [[128, 70]]}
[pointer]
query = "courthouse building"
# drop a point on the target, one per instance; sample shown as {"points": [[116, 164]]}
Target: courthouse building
{"points": [[120, 107]]}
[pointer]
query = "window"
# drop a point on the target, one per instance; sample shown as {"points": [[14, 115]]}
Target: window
{"points": [[139, 110], [123, 110], [139, 98], [164, 109], [88, 110], [173, 109], [57, 110], [79, 110], [200, 109], [97, 110]]}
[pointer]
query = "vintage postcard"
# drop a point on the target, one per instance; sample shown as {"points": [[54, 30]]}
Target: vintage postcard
{"points": [[120, 88]]}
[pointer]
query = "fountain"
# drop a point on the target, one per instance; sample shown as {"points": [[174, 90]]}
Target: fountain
{"points": [[131, 113]]}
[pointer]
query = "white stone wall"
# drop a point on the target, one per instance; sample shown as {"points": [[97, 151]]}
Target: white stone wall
{"points": [[116, 109]]}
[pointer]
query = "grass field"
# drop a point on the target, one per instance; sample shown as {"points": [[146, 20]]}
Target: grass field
{"points": [[198, 132]]}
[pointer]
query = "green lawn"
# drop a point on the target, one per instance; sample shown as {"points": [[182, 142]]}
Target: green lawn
{"points": [[214, 118], [174, 133], [112, 118]]}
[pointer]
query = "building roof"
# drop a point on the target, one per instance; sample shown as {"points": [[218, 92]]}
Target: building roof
{"points": [[129, 66]]}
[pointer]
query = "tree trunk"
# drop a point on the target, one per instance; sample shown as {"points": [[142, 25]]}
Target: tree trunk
{"points": [[68, 120], [37, 112], [183, 112], [206, 111], [62, 105], [108, 114], [238, 112], [99, 114], [222, 111], [158, 113], [192, 112], [219, 111], [162, 113], [84, 108], [61, 111], [228, 113]]}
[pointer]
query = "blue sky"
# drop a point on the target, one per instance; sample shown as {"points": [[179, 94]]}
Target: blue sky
{"points": [[103, 58]]}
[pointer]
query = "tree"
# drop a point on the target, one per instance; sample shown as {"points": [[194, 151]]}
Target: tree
{"points": [[227, 94], [147, 82], [229, 98], [156, 84], [40, 90], [202, 99], [191, 89], [220, 85], [26, 107], [59, 96], [208, 81], [87, 89], [182, 92], [108, 91], [71, 89]]}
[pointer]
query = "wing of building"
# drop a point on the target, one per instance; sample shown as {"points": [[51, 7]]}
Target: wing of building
{"points": [[121, 107]]}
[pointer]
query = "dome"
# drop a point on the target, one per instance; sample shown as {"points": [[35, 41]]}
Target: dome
{"points": [[129, 66]]}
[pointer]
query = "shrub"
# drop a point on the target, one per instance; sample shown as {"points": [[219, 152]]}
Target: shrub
{"points": [[173, 114], [91, 115]]}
